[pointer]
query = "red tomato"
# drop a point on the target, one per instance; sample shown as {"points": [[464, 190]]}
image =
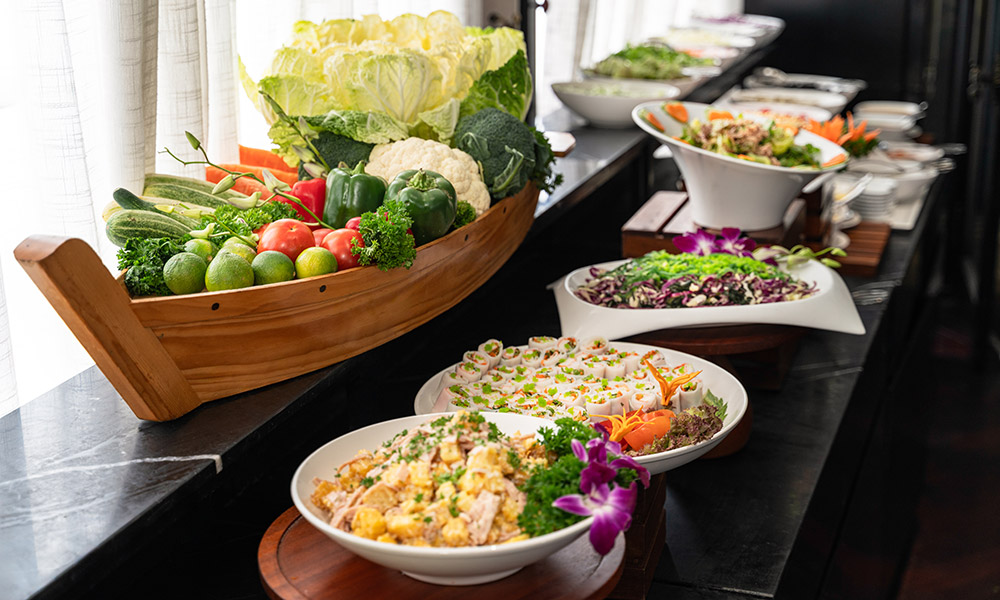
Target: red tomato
{"points": [[288, 236], [339, 243], [353, 223], [319, 234]]}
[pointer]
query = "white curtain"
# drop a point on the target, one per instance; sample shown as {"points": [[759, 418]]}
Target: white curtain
{"points": [[93, 90]]}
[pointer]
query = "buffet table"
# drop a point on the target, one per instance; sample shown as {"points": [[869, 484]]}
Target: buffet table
{"points": [[97, 503]]}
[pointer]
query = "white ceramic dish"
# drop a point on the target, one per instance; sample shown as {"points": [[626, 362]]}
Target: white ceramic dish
{"points": [[831, 308], [443, 566], [609, 102], [715, 378], [891, 107], [913, 151], [845, 87], [729, 192], [827, 100], [682, 38], [772, 109]]}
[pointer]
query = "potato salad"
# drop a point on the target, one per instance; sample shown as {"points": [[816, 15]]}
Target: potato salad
{"points": [[451, 482]]}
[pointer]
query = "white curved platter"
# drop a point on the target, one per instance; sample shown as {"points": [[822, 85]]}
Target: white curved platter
{"points": [[716, 379], [831, 309]]}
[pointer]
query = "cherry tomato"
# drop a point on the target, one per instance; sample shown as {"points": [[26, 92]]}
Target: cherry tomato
{"points": [[288, 236], [339, 243], [319, 234], [353, 223]]}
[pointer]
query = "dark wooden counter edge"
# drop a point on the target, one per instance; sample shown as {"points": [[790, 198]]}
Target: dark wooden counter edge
{"points": [[159, 516]]}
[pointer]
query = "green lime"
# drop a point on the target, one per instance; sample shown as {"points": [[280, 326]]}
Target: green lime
{"points": [[242, 250], [184, 273], [235, 241], [315, 261], [272, 266], [202, 248], [228, 271]]}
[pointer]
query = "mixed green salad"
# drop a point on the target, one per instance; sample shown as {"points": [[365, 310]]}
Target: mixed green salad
{"points": [[768, 144], [648, 61]]}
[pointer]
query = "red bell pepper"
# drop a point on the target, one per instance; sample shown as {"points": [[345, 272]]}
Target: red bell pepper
{"points": [[312, 193]]}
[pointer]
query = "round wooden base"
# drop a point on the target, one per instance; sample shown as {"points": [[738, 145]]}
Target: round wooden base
{"points": [[298, 562]]}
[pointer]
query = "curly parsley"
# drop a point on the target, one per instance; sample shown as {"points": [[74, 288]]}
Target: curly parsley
{"points": [[387, 243], [144, 258]]}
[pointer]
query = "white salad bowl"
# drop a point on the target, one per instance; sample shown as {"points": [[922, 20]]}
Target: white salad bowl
{"points": [[716, 379], [830, 308], [730, 192], [442, 566], [608, 102]]}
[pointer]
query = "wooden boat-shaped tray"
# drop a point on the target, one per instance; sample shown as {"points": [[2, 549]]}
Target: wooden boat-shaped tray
{"points": [[168, 355]]}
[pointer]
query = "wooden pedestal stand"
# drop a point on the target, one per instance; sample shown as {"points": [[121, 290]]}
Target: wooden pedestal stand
{"points": [[644, 541], [668, 214], [298, 562]]}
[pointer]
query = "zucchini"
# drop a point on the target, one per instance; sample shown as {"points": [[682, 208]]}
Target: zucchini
{"points": [[197, 185], [131, 223], [130, 201]]}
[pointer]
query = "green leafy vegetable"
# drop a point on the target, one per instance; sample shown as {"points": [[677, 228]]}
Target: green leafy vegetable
{"points": [[508, 88], [144, 258], [545, 179], [408, 73], [560, 478], [719, 404], [233, 221], [648, 61], [387, 243]]}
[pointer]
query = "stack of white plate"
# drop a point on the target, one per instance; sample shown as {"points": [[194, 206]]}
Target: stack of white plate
{"points": [[897, 121], [877, 201]]}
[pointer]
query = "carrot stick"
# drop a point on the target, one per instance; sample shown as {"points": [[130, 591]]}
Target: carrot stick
{"points": [[258, 157], [871, 136]]}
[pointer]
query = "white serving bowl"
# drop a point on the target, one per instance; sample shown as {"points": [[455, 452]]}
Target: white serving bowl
{"points": [[729, 192], [443, 566], [609, 102]]}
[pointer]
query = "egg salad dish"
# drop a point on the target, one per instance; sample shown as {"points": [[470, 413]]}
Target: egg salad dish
{"points": [[451, 482]]}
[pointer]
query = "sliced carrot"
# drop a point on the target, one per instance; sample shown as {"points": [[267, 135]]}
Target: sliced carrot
{"points": [[860, 131], [719, 114], [654, 121], [840, 141], [871, 136], [244, 185], [850, 123], [677, 111], [836, 160]]}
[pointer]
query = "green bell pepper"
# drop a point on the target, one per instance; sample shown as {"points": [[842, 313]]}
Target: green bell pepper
{"points": [[430, 200], [351, 192]]}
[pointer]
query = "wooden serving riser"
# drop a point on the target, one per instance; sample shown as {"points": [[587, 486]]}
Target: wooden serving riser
{"points": [[864, 253], [298, 562], [167, 355]]}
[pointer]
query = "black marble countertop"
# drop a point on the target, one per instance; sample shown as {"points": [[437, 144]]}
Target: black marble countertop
{"points": [[93, 499]]}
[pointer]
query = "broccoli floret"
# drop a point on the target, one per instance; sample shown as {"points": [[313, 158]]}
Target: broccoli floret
{"points": [[503, 145], [336, 148], [464, 215]]}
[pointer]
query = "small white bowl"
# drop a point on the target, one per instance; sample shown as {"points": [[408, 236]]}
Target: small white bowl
{"points": [[609, 102], [729, 192], [442, 566]]}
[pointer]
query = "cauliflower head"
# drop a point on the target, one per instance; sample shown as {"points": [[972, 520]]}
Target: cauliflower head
{"points": [[460, 169]]}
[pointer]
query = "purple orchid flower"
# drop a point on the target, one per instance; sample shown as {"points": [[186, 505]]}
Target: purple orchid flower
{"points": [[611, 508], [700, 242], [732, 243]]}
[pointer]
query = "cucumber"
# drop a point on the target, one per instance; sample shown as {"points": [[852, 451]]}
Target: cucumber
{"points": [[130, 201], [180, 193], [197, 185], [131, 223]]}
